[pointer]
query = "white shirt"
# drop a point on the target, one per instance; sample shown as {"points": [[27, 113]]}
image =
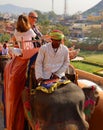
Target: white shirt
{"points": [[27, 36], [48, 61], [4, 51]]}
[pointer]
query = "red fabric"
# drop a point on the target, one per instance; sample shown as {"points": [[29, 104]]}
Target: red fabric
{"points": [[14, 83], [27, 105], [29, 53]]}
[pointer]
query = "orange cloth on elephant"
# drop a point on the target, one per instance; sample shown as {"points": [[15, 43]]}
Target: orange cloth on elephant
{"points": [[14, 83]]}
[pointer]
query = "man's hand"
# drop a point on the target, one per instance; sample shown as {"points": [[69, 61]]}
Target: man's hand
{"points": [[54, 76]]}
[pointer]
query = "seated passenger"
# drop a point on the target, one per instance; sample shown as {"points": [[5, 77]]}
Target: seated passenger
{"points": [[5, 49], [53, 58]]}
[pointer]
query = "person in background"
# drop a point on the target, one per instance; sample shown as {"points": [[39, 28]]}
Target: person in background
{"points": [[5, 49], [33, 17], [53, 58]]}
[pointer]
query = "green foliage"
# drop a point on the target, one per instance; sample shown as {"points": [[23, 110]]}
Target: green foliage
{"points": [[52, 15], [92, 62], [92, 56], [41, 17], [5, 37], [86, 67]]}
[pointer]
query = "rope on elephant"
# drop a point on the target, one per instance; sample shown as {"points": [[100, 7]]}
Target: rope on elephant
{"points": [[49, 87]]}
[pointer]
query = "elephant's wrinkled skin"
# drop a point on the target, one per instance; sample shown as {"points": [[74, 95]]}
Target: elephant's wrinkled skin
{"points": [[60, 110]]}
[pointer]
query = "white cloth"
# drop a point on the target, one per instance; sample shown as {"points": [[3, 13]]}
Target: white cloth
{"points": [[49, 62], [4, 51], [27, 36]]}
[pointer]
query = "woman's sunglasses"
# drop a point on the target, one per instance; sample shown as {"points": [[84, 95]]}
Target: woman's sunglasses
{"points": [[33, 17]]}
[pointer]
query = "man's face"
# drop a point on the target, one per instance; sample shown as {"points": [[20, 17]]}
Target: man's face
{"points": [[33, 18], [56, 43]]}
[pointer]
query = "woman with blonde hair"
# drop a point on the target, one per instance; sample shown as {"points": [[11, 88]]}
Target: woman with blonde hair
{"points": [[24, 32]]}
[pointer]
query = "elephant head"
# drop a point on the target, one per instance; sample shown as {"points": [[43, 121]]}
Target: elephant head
{"points": [[62, 109], [91, 100]]}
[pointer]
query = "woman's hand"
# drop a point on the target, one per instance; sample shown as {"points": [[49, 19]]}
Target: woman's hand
{"points": [[39, 81]]}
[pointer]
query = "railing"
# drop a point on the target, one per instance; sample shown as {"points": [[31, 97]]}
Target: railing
{"points": [[89, 76]]}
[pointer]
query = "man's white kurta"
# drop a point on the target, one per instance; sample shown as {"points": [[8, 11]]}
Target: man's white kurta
{"points": [[48, 61]]}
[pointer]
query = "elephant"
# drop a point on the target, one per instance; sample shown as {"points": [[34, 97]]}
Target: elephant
{"points": [[95, 121], [62, 109]]}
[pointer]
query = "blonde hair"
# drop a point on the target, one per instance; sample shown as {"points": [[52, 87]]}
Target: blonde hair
{"points": [[23, 23]]}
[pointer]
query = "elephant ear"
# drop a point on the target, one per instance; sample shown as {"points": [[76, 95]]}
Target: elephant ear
{"points": [[91, 100], [27, 107]]}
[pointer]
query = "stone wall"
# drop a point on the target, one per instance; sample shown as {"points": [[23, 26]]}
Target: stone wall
{"points": [[89, 76]]}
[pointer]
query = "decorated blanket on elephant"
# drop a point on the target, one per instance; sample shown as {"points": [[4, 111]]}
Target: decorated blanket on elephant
{"points": [[49, 86]]}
